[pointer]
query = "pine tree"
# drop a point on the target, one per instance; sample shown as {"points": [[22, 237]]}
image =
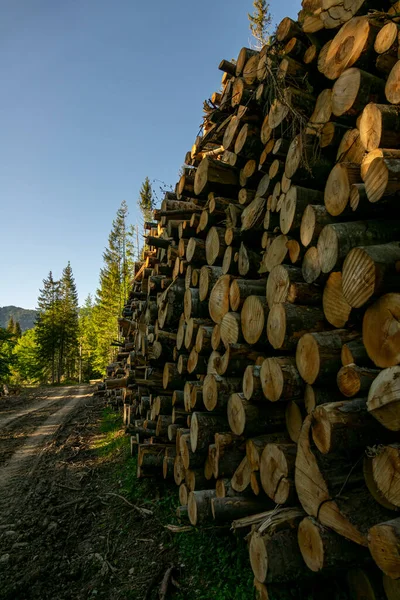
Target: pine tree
{"points": [[17, 330], [260, 21], [11, 326], [69, 310], [113, 290], [27, 366], [7, 343], [146, 201], [87, 341], [48, 328]]}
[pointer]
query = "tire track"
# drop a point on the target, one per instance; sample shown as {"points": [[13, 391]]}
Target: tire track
{"points": [[17, 474]]}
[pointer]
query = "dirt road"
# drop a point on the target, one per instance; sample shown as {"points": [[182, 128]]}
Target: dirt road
{"points": [[25, 433], [65, 530]]}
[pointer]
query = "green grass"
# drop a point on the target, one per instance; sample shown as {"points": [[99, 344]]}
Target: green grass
{"points": [[215, 563]]}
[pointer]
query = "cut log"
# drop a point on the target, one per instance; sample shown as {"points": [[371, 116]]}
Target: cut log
{"points": [[294, 205], [215, 245], [384, 545], [215, 387], [276, 558], [351, 149], [381, 331], [251, 383], [391, 587], [382, 475], [199, 506], [338, 186], [171, 377], [231, 332], [213, 173], [286, 284], [384, 399], [248, 261], [382, 178], [241, 477], [287, 323], [366, 272], [345, 424], [321, 492], [195, 250], [244, 55], [202, 429], [311, 266], [354, 90], [225, 510], [318, 355], [336, 240], [208, 278], [253, 318], [355, 381], [247, 419], [322, 548], [314, 396], [351, 44], [280, 380], [242, 288], [355, 352], [336, 308], [275, 255], [277, 472], [253, 215], [392, 89], [380, 125], [219, 298]]}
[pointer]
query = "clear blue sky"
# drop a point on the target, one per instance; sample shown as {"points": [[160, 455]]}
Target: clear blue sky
{"points": [[95, 96]]}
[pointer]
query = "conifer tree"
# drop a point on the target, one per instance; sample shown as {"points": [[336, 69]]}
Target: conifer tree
{"points": [[146, 201], [17, 330], [6, 354], [87, 341], [48, 326], [260, 22], [113, 290], [11, 326], [68, 319]]}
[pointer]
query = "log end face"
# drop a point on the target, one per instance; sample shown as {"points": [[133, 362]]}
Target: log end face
{"points": [[210, 392], [276, 326], [383, 543], [271, 379], [311, 545], [307, 358], [258, 557], [371, 127], [194, 432], [192, 509], [236, 414]]}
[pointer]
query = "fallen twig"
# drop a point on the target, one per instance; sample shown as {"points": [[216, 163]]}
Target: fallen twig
{"points": [[142, 511], [165, 582]]}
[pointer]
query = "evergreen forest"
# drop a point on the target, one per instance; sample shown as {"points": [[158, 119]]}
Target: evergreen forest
{"points": [[69, 342]]}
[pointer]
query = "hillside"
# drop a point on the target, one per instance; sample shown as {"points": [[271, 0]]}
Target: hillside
{"points": [[25, 316]]}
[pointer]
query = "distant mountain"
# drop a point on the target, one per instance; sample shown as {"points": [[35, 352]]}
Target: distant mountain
{"points": [[26, 317]]}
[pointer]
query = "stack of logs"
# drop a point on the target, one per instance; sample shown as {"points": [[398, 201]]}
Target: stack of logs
{"points": [[260, 368]]}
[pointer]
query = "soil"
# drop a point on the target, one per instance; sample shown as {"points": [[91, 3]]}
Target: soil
{"points": [[65, 530]]}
